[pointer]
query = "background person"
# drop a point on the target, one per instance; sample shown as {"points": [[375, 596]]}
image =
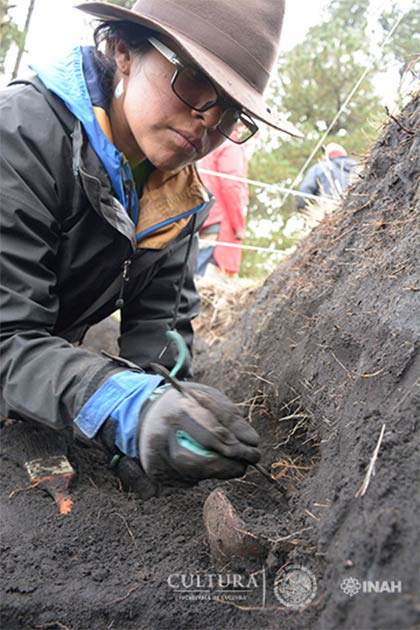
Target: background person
{"points": [[330, 176], [226, 220], [101, 203]]}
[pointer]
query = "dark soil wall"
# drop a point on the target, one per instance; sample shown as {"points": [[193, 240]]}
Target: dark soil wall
{"points": [[331, 339]]}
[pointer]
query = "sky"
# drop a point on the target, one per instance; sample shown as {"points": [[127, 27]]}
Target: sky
{"points": [[56, 26]]}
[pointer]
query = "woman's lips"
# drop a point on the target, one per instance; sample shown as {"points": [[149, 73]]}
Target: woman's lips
{"points": [[191, 145]]}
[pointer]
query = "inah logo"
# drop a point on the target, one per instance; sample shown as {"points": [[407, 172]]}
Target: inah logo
{"points": [[351, 586]]}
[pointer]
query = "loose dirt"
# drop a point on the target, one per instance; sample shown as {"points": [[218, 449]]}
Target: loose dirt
{"points": [[323, 363]]}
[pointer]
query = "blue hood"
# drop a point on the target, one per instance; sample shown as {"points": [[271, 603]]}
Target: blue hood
{"points": [[67, 79]]}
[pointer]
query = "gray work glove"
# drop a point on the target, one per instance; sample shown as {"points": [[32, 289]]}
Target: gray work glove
{"points": [[127, 469], [194, 435]]}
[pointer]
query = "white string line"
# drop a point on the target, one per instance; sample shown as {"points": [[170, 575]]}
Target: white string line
{"points": [[344, 105], [253, 182], [273, 187], [204, 241]]}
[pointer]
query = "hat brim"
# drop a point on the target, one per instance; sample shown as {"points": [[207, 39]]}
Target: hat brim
{"points": [[227, 79]]}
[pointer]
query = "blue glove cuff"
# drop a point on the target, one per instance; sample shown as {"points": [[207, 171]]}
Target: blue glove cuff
{"points": [[121, 397]]}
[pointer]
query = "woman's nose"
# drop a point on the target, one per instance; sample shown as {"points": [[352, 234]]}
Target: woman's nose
{"points": [[211, 117]]}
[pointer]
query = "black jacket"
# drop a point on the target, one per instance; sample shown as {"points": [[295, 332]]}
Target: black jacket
{"points": [[65, 241]]}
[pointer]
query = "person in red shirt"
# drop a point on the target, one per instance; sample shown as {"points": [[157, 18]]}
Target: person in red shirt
{"points": [[226, 221]]}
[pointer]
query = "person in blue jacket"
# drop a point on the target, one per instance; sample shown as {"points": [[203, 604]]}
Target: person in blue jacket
{"points": [[330, 176], [101, 206]]}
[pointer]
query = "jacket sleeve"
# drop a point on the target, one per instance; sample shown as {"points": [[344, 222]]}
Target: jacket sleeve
{"points": [[309, 185], [233, 194], [43, 377], [148, 311]]}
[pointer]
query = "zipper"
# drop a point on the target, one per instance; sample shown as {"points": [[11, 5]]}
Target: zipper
{"points": [[183, 275], [119, 303], [174, 219], [124, 279], [129, 192]]}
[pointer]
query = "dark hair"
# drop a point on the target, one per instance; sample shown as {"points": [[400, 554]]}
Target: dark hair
{"points": [[134, 37]]}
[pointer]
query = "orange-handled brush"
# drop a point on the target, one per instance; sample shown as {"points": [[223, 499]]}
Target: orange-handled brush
{"points": [[54, 474], [44, 458]]}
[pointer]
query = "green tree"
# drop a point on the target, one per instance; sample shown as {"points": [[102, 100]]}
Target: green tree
{"points": [[22, 38], [9, 32], [404, 45], [313, 82], [316, 77], [127, 4]]}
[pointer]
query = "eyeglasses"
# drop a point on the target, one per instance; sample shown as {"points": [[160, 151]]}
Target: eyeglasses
{"points": [[198, 92]]}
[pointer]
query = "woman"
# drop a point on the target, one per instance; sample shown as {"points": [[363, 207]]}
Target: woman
{"points": [[100, 207]]}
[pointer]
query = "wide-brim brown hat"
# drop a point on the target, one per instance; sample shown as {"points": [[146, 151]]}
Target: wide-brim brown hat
{"points": [[235, 42]]}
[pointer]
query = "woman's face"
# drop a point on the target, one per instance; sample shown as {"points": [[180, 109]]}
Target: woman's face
{"points": [[149, 120]]}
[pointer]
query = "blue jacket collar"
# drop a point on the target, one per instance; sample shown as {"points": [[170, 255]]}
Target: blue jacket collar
{"points": [[75, 79]]}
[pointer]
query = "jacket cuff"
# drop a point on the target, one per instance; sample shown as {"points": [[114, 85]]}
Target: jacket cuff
{"points": [[123, 393]]}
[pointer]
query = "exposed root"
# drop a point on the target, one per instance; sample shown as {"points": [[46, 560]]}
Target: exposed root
{"points": [[126, 524], [25, 489], [128, 593], [54, 625], [371, 468], [287, 465], [221, 304], [395, 119]]}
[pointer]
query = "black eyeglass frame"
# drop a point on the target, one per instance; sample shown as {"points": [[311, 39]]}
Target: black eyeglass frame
{"points": [[180, 66]]}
